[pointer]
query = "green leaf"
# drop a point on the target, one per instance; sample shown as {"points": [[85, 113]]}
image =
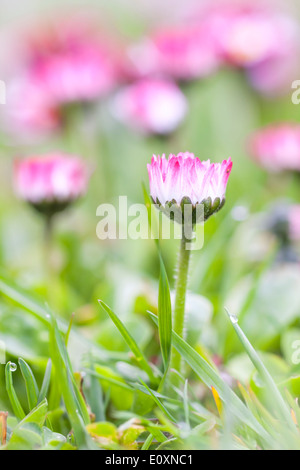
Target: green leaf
{"points": [[274, 394], [26, 437], [152, 220], [117, 390], [21, 297], [211, 378], [76, 408], [130, 342], [69, 329], [147, 442], [16, 405], [55, 441], [164, 315], [186, 404], [37, 415], [158, 402], [105, 434], [46, 382], [39, 310], [164, 298], [30, 383], [95, 394]]}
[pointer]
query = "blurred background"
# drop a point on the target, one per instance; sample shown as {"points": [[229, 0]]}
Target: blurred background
{"points": [[115, 82]]}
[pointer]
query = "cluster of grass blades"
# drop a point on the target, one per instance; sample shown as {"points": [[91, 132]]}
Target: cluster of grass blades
{"points": [[152, 417]]}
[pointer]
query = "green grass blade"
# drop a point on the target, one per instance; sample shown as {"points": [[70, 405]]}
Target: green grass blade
{"points": [[147, 442], [69, 329], [186, 404], [75, 405], [38, 309], [30, 383], [67, 367], [95, 394], [21, 297], [164, 315], [37, 415], [158, 402], [130, 342], [110, 380], [164, 298], [152, 219], [46, 382], [211, 378], [16, 405], [274, 393]]}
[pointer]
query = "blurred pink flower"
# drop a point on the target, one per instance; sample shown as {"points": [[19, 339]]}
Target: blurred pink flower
{"points": [[67, 63], [150, 106], [259, 38], [29, 108], [275, 75], [55, 178], [183, 52], [186, 176], [277, 147], [72, 63], [78, 72], [249, 34]]}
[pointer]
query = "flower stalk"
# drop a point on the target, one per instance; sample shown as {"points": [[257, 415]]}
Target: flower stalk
{"points": [[180, 300], [188, 191]]}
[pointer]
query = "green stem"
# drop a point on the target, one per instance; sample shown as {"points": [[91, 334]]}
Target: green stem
{"points": [[48, 256], [48, 235], [179, 311]]}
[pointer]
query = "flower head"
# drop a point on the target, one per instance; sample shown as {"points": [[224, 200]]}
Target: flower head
{"points": [[274, 75], [183, 53], [67, 63], [249, 34], [150, 106], [277, 148], [185, 178], [50, 182], [35, 114], [71, 63]]}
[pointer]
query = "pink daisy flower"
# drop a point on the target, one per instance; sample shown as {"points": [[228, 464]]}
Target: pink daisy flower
{"points": [[277, 147], [150, 106], [186, 177], [50, 182]]}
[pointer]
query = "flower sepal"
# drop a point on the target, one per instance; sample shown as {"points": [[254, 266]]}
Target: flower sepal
{"points": [[177, 212], [50, 208]]}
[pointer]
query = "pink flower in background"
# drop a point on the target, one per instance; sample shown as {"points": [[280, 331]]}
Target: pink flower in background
{"points": [[29, 108], [250, 34], [50, 179], [71, 63], [150, 106], [259, 38], [182, 52], [275, 75], [67, 63], [277, 147], [186, 176]]}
